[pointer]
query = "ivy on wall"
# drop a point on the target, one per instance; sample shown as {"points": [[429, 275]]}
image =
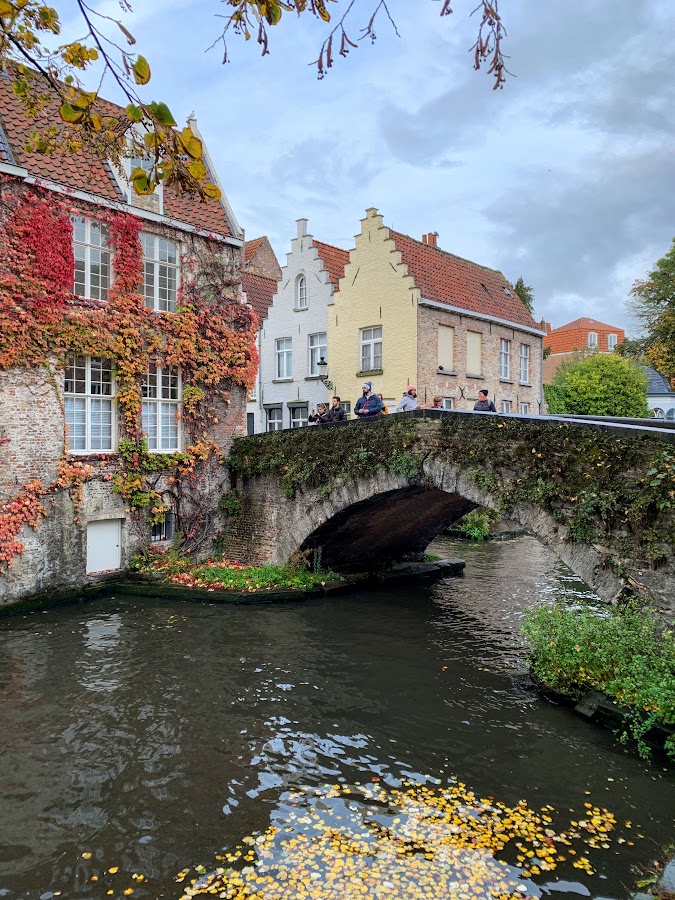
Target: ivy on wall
{"points": [[210, 338]]}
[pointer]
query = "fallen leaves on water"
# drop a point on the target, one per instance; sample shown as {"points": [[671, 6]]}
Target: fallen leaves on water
{"points": [[417, 842]]}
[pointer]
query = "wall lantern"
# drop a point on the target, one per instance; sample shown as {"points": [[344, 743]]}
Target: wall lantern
{"points": [[322, 366]]}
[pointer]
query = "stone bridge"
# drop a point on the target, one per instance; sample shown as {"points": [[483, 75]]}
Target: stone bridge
{"points": [[360, 495]]}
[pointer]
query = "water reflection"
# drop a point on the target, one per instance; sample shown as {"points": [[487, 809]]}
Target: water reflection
{"points": [[153, 734]]}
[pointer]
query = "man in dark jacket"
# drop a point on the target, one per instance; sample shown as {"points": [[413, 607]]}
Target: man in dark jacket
{"points": [[336, 413], [483, 404], [368, 404]]}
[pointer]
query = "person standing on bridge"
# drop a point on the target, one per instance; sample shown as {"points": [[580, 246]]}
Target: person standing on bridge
{"points": [[336, 413], [483, 404], [368, 404], [409, 400]]}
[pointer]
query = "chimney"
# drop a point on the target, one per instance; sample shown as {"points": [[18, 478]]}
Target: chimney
{"points": [[432, 238], [424, 239], [302, 227]]}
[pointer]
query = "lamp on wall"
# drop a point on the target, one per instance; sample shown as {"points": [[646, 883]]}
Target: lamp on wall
{"points": [[322, 366]]}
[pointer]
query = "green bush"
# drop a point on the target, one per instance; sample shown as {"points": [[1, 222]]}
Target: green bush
{"points": [[602, 384], [628, 655], [476, 524]]}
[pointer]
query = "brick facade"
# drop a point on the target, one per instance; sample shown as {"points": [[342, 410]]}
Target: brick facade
{"points": [[573, 338]]}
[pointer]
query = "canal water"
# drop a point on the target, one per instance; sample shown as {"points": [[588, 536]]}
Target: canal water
{"points": [[143, 738]]}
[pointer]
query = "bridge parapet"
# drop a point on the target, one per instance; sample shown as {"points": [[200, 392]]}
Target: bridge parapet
{"points": [[601, 495]]}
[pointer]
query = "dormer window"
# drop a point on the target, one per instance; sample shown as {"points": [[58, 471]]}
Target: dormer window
{"points": [[160, 272], [301, 292]]}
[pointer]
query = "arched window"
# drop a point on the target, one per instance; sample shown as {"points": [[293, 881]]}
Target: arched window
{"points": [[301, 292]]}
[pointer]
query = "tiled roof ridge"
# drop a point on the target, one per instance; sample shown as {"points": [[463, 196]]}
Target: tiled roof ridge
{"points": [[317, 244], [583, 322], [251, 245], [435, 247]]}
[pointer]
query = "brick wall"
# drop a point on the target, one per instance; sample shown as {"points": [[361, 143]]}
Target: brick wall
{"points": [[566, 340], [461, 387]]}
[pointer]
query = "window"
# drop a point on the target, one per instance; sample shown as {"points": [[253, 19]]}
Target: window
{"points": [[274, 419], [371, 348], [92, 258], [284, 357], [506, 406], [298, 416], [504, 359], [160, 272], [318, 349], [524, 409], [474, 353], [88, 391], [592, 340], [446, 348], [301, 292], [612, 341], [163, 531], [448, 403], [525, 363], [347, 408], [160, 390]]}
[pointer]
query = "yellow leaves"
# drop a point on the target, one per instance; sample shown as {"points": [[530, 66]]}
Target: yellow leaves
{"points": [[197, 169], [141, 70], [6, 9], [86, 855], [191, 143], [211, 191]]}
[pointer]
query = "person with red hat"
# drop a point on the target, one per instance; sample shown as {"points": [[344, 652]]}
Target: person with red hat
{"points": [[409, 400]]}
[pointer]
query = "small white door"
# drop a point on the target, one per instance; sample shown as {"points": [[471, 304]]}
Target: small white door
{"points": [[103, 545]]}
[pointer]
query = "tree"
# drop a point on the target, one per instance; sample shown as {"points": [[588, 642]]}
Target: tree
{"points": [[524, 291], [602, 384], [653, 301], [45, 76]]}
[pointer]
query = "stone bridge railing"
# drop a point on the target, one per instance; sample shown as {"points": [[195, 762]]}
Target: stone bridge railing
{"points": [[600, 494]]}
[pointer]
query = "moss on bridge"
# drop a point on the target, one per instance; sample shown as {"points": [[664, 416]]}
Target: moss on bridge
{"points": [[614, 488]]}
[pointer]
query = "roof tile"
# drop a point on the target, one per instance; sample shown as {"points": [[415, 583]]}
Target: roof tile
{"points": [[446, 278], [334, 260], [259, 292]]}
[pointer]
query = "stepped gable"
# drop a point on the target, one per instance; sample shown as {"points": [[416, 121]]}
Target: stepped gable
{"points": [[83, 170], [445, 278], [259, 292], [334, 260]]}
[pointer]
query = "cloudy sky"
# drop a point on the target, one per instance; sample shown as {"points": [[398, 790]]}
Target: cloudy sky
{"points": [[565, 177]]}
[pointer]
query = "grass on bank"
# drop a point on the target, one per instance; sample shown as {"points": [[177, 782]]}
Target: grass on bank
{"points": [[228, 575], [628, 655]]}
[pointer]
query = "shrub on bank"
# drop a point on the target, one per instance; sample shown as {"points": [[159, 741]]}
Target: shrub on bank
{"points": [[228, 575], [628, 655]]}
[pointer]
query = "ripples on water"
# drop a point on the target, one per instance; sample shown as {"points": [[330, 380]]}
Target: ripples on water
{"points": [[154, 734]]}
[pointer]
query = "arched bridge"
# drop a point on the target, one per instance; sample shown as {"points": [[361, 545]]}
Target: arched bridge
{"points": [[360, 495]]}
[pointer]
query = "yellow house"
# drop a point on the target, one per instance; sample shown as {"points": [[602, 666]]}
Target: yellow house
{"points": [[408, 312]]}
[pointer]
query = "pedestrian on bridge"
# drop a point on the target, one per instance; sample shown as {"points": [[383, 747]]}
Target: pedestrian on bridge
{"points": [[409, 400], [483, 404], [368, 404]]}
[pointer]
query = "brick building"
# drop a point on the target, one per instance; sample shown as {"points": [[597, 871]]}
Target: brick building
{"points": [[125, 351], [409, 312], [583, 335]]}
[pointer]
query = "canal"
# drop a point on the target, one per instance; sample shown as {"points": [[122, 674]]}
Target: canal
{"points": [[390, 739]]}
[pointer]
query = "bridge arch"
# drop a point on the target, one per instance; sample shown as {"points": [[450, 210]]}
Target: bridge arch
{"points": [[362, 495]]}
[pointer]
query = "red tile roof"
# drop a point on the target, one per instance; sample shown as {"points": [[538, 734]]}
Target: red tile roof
{"points": [[84, 171], [334, 260], [445, 278], [251, 247], [586, 324], [259, 292]]}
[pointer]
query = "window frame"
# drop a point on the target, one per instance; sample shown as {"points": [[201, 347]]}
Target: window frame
{"points": [[370, 344], [313, 363], [287, 354], [592, 345], [88, 396], [157, 264], [162, 532], [615, 341], [301, 293], [302, 420], [89, 248], [524, 409], [269, 420], [505, 407], [159, 402], [504, 359], [526, 360], [447, 402]]}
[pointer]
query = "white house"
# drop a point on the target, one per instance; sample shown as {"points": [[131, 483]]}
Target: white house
{"points": [[294, 335]]}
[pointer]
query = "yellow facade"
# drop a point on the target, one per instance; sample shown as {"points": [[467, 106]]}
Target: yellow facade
{"points": [[376, 291]]}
